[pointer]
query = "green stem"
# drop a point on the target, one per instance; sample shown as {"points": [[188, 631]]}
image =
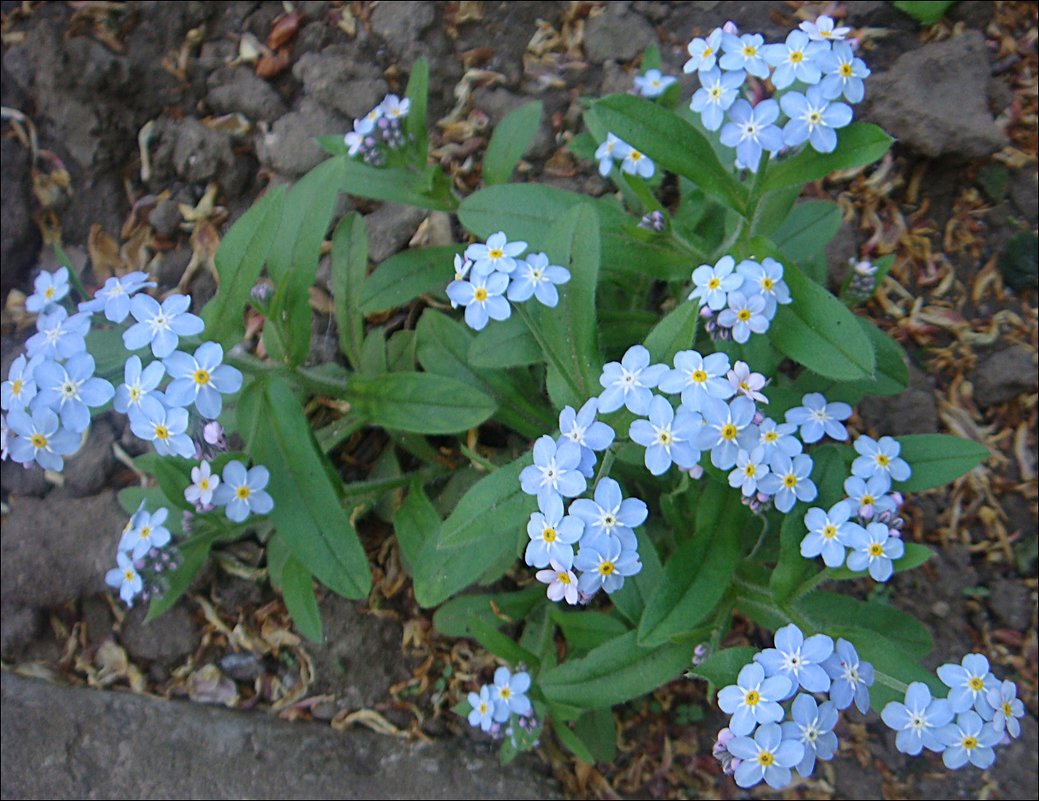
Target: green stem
{"points": [[752, 202], [810, 584], [74, 279], [477, 459], [608, 458]]}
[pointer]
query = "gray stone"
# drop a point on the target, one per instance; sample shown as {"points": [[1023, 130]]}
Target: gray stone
{"points": [[23, 481], [933, 99], [166, 218], [390, 227], [914, 411], [19, 237], [242, 90], [170, 637], [1012, 603], [616, 79], [401, 25], [336, 78], [61, 742], [88, 471], [1023, 188], [20, 625], [59, 536], [616, 35], [289, 147], [1004, 374], [199, 153]]}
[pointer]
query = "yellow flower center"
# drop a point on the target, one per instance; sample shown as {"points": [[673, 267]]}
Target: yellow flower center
{"points": [[716, 92], [714, 283], [970, 743], [708, 51], [634, 155], [867, 500], [789, 481], [729, 431], [549, 534], [743, 315], [765, 758], [976, 683], [38, 441], [767, 284], [563, 576], [135, 394], [664, 437], [480, 294], [750, 470], [699, 376], [16, 386], [749, 51], [201, 376], [1007, 709], [771, 436], [505, 693], [606, 568], [242, 492], [845, 70], [496, 253], [161, 432], [796, 57], [815, 118], [146, 532], [883, 460], [876, 549], [752, 698], [829, 532], [203, 484], [48, 292], [128, 575]]}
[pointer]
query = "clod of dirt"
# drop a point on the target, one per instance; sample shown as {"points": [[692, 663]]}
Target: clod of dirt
{"points": [[401, 25], [616, 35], [1002, 375], [240, 90], [912, 412], [289, 148], [336, 78]]}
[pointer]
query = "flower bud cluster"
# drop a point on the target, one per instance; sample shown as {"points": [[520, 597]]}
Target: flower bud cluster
{"points": [[379, 130]]}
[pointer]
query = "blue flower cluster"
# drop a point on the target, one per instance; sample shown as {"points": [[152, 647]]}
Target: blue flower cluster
{"points": [[496, 703], [378, 130], [489, 275], [737, 300], [51, 390], [978, 713], [633, 162], [812, 69], [758, 745], [143, 556]]}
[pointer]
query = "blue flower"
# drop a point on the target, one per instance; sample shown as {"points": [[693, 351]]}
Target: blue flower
{"points": [[765, 279], [751, 130], [822, 30], [828, 534], [714, 283], [635, 162], [242, 493], [628, 382], [874, 548], [40, 438], [554, 472], [799, 659], [561, 581], [114, 297], [1007, 708], [584, 430], [201, 379], [48, 289], [816, 417], [125, 578], [851, 678], [698, 378], [203, 485], [535, 276], [72, 390], [745, 315], [608, 152], [147, 532], [164, 428], [917, 720], [767, 756], [161, 326], [718, 91], [795, 60], [137, 384], [482, 298], [19, 388], [482, 713], [653, 83], [498, 255], [879, 457], [751, 467], [789, 481], [728, 428], [509, 694], [778, 438], [969, 739], [667, 437], [754, 699], [813, 118], [868, 497], [611, 513], [703, 53], [552, 534], [58, 336], [605, 562], [843, 73], [968, 682], [744, 53], [812, 726]]}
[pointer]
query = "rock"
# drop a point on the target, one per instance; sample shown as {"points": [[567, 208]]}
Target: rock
{"points": [[21, 481], [616, 79], [1012, 603], [401, 25], [1023, 188], [912, 412], [168, 638], [58, 740], [165, 219], [338, 79], [390, 227], [289, 148], [241, 90], [19, 237], [933, 99], [19, 627], [839, 250], [199, 153], [88, 471], [1004, 374], [59, 536], [616, 35]]}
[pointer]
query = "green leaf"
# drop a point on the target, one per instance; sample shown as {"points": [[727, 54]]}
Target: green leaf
{"points": [[723, 667], [859, 144], [297, 588], [396, 184], [349, 268], [443, 348], [818, 331], [829, 609], [306, 510], [499, 644], [571, 741], [792, 569], [892, 666], [192, 554], [616, 671], [415, 523], [417, 91], [808, 229], [172, 474], [937, 459], [423, 403], [892, 374], [672, 143], [505, 344], [239, 260], [586, 630], [109, 352], [675, 332], [630, 600], [926, 12], [597, 729], [773, 210], [697, 575], [452, 619], [495, 506], [406, 275], [510, 141]]}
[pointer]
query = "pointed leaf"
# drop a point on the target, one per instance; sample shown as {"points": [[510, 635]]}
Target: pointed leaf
{"points": [[419, 402], [859, 144], [406, 275], [349, 268], [937, 459], [494, 507], [510, 141]]}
